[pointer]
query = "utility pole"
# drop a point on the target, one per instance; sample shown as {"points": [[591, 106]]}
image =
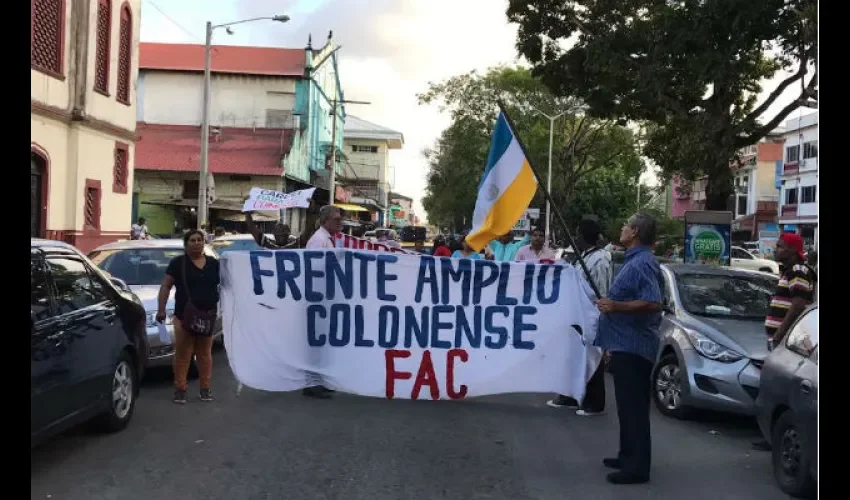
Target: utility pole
{"points": [[203, 197], [549, 174], [332, 166]]}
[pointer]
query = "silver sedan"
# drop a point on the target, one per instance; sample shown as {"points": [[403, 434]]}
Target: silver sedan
{"points": [[140, 265], [713, 339]]}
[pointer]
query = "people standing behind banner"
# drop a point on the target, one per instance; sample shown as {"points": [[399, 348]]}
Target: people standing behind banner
{"points": [[505, 248], [330, 223], [600, 266], [629, 330], [281, 235], [196, 278], [139, 231], [419, 247], [466, 251], [440, 247], [537, 250], [454, 244]]}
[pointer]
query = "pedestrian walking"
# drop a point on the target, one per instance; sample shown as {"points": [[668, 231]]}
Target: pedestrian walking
{"points": [[599, 265], [794, 292], [466, 251], [196, 278], [330, 224], [537, 250], [629, 330], [139, 230]]}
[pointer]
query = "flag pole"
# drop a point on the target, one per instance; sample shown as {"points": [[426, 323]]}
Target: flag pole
{"points": [[549, 199]]}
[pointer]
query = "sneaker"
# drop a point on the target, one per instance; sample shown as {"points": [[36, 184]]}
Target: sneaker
{"points": [[587, 413], [206, 395], [180, 397], [563, 402]]}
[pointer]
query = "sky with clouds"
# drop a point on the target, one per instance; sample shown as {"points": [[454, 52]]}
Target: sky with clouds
{"points": [[391, 49]]}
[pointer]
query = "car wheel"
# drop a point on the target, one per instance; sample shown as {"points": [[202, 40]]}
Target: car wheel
{"points": [[122, 396], [667, 387], [790, 461]]}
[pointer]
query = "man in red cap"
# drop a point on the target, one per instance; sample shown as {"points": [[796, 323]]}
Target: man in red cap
{"points": [[794, 292]]}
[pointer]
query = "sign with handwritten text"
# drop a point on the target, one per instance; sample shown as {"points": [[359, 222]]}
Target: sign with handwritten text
{"points": [[269, 199], [405, 326]]}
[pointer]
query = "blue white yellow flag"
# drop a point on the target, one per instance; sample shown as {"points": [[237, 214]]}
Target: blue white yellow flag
{"points": [[507, 187]]}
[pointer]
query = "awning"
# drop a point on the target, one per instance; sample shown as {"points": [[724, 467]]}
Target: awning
{"points": [[350, 208]]}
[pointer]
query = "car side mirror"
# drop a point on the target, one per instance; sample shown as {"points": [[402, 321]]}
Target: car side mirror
{"points": [[120, 284]]}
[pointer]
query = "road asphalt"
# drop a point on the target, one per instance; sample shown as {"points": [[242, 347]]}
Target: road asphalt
{"points": [[281, 446]]}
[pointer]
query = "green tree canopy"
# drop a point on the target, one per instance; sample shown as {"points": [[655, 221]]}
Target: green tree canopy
{"points": [[692, 68]]}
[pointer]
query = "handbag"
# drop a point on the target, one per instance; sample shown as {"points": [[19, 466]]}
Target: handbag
{"points": [[197, 322]]}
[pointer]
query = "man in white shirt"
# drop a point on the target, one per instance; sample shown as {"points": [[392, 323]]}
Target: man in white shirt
{"points": [[139, 231], [330, 223], [537, 250]]}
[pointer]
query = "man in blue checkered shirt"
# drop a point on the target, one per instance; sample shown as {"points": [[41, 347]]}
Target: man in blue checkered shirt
{"points": [[629, 330]]}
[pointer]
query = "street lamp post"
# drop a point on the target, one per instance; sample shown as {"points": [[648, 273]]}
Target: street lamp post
{"points": [[549, 174], [203, 199]]}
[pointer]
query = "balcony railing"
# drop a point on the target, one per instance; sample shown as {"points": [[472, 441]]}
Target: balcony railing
{"points": [[789, 210], [792, 167], [766, 206]]}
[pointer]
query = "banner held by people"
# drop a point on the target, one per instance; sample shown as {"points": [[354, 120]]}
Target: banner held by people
{"points": [[269, 199], [507, 187], [403, 326]]}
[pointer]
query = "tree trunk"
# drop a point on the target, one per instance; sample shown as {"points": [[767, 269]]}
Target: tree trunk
{"points": [[719, 189]]}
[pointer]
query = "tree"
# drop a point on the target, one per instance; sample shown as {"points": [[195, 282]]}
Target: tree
{"points": [[583, 146], [692, 68]]}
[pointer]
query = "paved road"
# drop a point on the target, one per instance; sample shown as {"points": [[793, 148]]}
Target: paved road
{"points": [[282, 446]]}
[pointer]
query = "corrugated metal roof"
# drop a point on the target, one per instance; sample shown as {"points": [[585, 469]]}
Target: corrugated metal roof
{"points": [[271, 61], [358, 128]]}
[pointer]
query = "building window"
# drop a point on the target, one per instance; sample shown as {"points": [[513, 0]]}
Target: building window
{"points": [[101, 56], [364, 149], [792, 154], [807, 194], [791, 196], [121, 168], [125, 48], [47, 36], [91, 206], [278, 118], [742, 206], [810, 150], [190, 190]]}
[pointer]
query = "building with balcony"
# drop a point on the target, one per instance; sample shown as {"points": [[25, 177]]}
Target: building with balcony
{"points": [[366, 168], [756, 198], [84, 62], [270, 127], [798, 182]]}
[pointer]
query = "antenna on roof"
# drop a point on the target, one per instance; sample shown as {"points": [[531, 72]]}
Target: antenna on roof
{"points": [[310, 41], [330, 34]]}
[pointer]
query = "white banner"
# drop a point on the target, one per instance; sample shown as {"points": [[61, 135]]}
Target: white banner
{"points": [[268, 199], [403, 326]]}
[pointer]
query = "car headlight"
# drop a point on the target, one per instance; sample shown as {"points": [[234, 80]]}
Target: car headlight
{"points": [[169, 314], [711, 349]]}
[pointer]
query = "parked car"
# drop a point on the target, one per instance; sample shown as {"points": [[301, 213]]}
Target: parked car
{"points": [[787, 407], [88, 344], [232, 242], [743, 259], [141, 264], [752, 247], [713, 339]]}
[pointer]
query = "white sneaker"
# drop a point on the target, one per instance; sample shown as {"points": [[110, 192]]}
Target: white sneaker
{"points": [[585, 413]]}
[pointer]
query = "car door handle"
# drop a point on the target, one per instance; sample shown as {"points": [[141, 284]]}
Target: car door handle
{"points": [[805, 387]]}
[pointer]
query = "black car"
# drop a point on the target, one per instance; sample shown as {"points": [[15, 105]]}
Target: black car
{"points": [[89, 348]]}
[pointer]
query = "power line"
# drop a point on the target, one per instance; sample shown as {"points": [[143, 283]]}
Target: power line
{"points": [[175, 23]]}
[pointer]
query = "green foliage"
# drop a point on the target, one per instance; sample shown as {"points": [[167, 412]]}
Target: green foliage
{"points": [[691, 68], [595, 162]]}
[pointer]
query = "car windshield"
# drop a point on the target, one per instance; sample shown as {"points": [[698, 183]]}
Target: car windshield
{"points": [[740, 297], [222, 246], [136, 266]]}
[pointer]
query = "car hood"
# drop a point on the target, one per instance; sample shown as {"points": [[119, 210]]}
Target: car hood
{"points": [[148, 295], [745, 336]]}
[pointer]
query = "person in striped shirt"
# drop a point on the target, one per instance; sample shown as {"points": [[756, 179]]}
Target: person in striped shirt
{"points": [[794, 292], [599, 263]]}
